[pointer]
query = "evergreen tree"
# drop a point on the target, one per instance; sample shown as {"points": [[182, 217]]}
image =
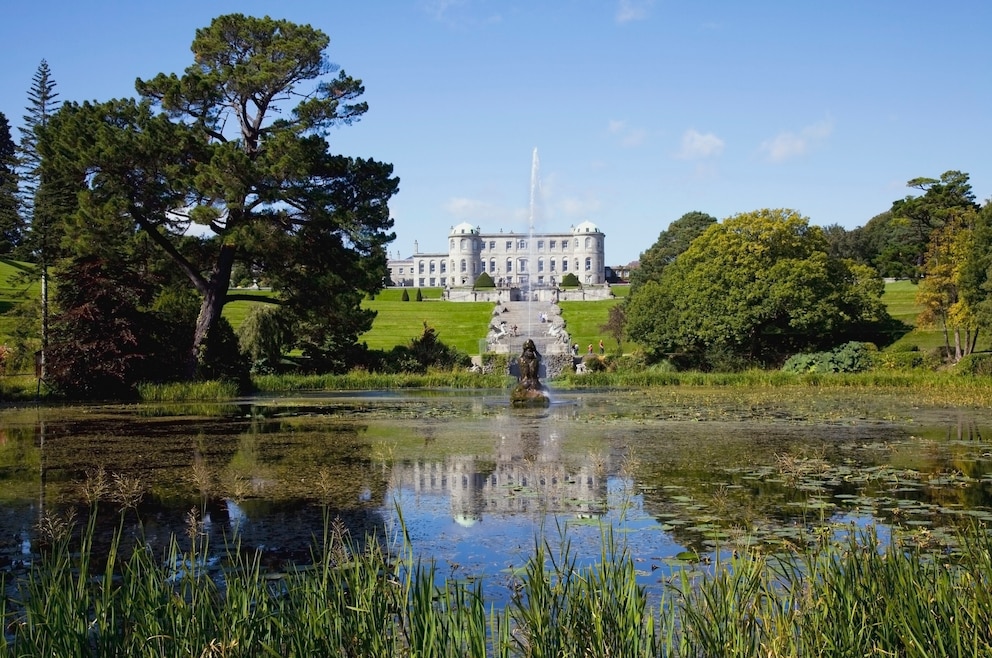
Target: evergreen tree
{"points": [[229, 153], [41, 197], [11, 223]]}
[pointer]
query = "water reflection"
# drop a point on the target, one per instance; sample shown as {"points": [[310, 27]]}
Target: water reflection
{"points": [[476, 482]]}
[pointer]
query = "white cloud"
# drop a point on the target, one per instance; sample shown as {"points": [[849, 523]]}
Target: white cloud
{"points": [[472, 210], [632, 10], [696, 146], [788, 145], [629, 137]]}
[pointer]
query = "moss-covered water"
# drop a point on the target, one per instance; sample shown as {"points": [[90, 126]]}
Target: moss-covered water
{"points": [[679, 474]]}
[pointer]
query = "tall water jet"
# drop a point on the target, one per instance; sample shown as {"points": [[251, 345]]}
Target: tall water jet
{"points": [[535, 183]]}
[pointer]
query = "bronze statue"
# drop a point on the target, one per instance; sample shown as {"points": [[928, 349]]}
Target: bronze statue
{"points": [[529, 391]]}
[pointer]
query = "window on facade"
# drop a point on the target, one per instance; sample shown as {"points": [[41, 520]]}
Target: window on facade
{"points": [[522, 244], [540, 264], [588, 264], [444, 267], [451, 245], [509, 245], [564, 266], [464, 266], [420, 267], [464, 243], [588, 243], [551, 244], [421, 280], [401, 270], [509, 265], [492, 245], [433, 266], [540, 244], [552, 265], [564, 245], [432, 282], [492, 265]]}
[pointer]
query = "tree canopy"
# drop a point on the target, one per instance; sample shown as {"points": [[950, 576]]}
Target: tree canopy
{"points": [[670, 243], [11, 224], [235, 149], [758, 286]]}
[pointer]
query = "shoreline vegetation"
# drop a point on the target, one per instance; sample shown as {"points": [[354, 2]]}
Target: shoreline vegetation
{"points": [[838, 594], [945, 387]]}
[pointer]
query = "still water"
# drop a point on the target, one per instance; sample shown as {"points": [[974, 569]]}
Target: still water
{"points": [[675, 476]]}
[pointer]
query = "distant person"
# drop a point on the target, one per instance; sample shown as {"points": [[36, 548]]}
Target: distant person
{"points": [[602, 349], [575, 349], [589, 351]]}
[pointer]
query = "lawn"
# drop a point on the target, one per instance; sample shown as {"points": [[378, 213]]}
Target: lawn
{"points": [[15, 288], [461, 325]]}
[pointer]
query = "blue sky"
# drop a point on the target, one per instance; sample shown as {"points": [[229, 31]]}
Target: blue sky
{"points": [[640, 110]]}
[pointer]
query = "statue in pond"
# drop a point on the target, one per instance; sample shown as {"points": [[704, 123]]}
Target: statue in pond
{"points": [[529, 391]]}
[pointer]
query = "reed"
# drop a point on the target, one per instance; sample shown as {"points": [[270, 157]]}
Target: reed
{"points": [[851, 597], [214, 391]]}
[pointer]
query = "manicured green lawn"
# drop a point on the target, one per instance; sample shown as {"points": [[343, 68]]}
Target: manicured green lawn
{"points": [[583, 321], [459, 324]]}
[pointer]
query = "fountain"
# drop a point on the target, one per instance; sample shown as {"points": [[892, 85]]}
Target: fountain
{"points": [[529, 391]]}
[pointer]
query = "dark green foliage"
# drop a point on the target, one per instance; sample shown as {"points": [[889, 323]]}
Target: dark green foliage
{"points": [[420, 295], [849, 357], [254, 171], [570, 281], [405, 297], [484, 281], [670, 243], [11, 222], [223, 359], [424, 352]]}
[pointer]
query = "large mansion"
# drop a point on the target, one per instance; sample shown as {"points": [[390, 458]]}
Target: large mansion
{"points": [[513, 260]]}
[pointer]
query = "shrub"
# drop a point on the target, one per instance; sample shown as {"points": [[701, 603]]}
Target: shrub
{"points": [[570, 281], [484, 281], [420, 295], [979, 364], [405, 297], [849, 357], [904, 360]]}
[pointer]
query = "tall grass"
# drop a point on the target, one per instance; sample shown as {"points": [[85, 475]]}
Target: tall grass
{"points": [[214, 390], [854, 597], [371, 381]]}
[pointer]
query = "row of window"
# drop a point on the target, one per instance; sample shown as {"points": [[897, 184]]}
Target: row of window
{"points": [[465, 243], [552, 266]]}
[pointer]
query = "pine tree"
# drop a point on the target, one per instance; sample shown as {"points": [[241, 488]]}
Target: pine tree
{"points": [[11, 223], [38, 203]]}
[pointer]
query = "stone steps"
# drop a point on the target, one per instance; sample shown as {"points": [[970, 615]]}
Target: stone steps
{"points": [[549, 336]]}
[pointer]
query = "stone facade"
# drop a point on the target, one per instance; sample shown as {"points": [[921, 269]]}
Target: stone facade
{"points": [[526, 261]]}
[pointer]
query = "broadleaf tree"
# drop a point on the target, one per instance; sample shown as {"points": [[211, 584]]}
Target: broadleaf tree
{"points": [[236, 147], [756, 287]]}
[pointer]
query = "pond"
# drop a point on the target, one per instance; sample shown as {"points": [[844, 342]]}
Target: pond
{"points": [[677, 476]]}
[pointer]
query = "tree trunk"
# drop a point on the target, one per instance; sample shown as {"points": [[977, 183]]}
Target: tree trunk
{"points": [[957, 344], [210, 310]]}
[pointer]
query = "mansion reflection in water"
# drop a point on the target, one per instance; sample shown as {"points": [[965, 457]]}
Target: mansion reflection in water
{"points": [[527, 475]]}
